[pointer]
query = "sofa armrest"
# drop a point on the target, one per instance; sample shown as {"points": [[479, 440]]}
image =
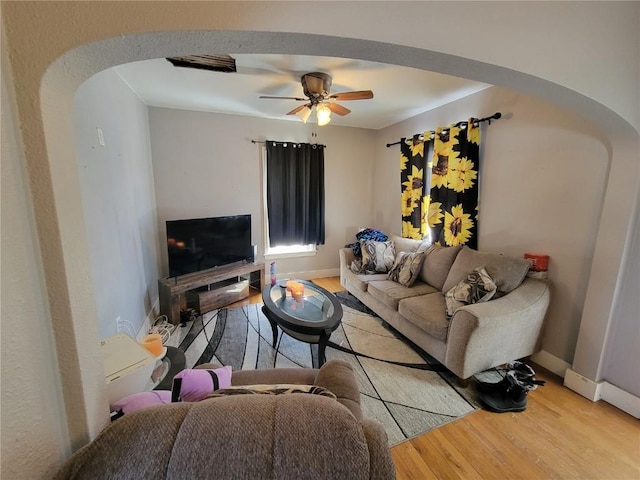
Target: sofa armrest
{"points": [[338, 377], [381, 466], [297, 376], [346, 257], [485, 335]]}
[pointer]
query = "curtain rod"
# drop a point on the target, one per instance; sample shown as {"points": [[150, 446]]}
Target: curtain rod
{"points": [[293, 143], [495, 116]]}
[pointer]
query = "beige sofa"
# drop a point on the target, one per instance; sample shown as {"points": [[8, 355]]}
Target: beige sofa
{"points": [[477, 336], [251, 436]]}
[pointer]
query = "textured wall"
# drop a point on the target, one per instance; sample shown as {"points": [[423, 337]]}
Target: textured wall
{"points": [[205, 165], [118, 201], [543, 177], [34, 434], [562, 52]]}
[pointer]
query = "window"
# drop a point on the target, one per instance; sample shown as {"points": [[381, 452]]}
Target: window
{"points": [[293, 190]]}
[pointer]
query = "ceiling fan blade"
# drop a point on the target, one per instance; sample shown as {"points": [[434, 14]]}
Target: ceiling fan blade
{"points": [[359, 95], [286, 98], [297, 109], [338, 109]]}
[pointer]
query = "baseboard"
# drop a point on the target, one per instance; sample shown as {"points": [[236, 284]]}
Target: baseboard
{"points": [[550, 362], [308, 275], [606, 391]]}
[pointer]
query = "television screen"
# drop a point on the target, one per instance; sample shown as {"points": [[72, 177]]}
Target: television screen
{"points": [[202, 243]]}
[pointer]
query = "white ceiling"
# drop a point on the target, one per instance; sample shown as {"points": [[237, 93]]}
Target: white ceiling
{"points": [[399, 92]]}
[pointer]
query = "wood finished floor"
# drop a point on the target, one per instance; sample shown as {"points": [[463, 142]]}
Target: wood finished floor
{"points": [[561, 435]]}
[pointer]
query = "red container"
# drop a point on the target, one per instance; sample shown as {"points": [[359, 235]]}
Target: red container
{"points": [[540, 263]]}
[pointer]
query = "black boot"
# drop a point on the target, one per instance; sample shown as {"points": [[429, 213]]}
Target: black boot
{"points": [[510, 394], [521, 370], [513, 399]]}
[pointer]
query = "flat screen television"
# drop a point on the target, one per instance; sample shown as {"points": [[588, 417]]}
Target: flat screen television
{"points": [[200, 243]]}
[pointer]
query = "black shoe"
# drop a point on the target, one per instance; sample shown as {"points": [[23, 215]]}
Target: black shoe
{"points": [[488, 387], [522, 371], [510, 394], [512, 400]]}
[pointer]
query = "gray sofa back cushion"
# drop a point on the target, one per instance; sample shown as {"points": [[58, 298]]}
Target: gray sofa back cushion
{"points": [[437, 263], [507, 272]]}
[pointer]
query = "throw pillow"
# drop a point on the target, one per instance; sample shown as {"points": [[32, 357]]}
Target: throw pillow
{"points": [[409, 244], [357, 267], [192, 385], [476, 288], [507, 272], [278, 389], [377, 257], [406, 268], [141, 400]]}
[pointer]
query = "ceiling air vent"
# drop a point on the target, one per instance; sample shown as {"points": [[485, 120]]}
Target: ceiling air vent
{"points": [[217, 63]]}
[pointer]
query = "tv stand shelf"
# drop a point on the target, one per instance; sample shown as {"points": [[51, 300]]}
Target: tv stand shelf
{"points": [[216, 296]]}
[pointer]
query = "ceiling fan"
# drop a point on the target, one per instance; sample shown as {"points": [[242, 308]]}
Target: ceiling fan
{"points": [[317, 87]]}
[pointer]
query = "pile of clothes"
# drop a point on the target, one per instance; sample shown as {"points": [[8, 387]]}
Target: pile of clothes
{"points": [[366, 234]]}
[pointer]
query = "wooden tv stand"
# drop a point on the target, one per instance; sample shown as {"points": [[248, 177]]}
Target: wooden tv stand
{"points": [[221, 289]]}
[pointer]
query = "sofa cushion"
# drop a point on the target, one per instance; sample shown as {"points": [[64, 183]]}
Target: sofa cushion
{"points": [[408, 244], [377, 256], [507, 272], [427, 312], [390, 292], [437, 263], [478, 287], [361, 281], [406, 268]]}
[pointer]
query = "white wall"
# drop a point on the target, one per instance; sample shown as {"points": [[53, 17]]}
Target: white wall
{"points": [[622, 355], [34, 432], [205, 165], [568, 55], [543, 174], [118, 200]]}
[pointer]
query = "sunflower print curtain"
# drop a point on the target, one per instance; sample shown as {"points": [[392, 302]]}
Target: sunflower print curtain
{"points": [[452, 213], [413, 165]]}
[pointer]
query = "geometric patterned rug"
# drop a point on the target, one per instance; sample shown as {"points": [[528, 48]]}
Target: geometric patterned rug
{"points": [[402, 387]]}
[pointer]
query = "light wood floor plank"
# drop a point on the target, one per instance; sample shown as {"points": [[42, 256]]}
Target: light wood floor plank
{"points": [[410, 465], [444, 458], [561, 435]]}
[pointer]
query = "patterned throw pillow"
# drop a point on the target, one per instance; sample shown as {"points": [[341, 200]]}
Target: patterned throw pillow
{"points": [[278, 389], [377, 257], [406, 268], [476, 288]]}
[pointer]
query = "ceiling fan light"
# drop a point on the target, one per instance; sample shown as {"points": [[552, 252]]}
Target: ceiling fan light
{"points": [[323, 114], [304, 114]]}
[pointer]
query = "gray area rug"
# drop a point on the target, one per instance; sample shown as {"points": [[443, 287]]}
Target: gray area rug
{"points": [[402, 387]]}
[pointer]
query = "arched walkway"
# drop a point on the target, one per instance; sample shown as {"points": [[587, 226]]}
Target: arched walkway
{"points": [[57, 200]]}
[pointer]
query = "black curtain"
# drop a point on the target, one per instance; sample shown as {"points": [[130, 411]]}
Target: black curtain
{"points": [[295, 193]]}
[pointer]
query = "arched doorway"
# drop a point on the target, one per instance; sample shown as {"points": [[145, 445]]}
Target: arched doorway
{"points": [[66, 262]]}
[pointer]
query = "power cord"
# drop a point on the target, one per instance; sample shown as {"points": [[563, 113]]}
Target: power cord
{"points": [[163, 327], [125, 326]]}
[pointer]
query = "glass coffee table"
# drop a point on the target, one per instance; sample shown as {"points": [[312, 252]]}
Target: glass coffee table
{"points": [[310, 318]]}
